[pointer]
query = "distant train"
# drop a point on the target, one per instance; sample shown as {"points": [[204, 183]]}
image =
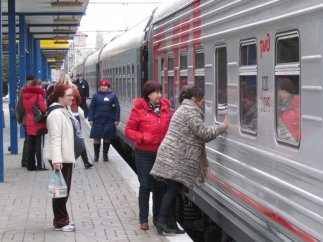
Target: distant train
{"points": [[265, 182]]}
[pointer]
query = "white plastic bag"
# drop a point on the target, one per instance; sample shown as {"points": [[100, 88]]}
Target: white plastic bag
{"points": [[57, 186]]}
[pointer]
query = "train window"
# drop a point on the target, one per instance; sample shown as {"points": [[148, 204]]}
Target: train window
{"points": [[133, 94], [170, 63], [183, 71], [128, 88], [162, 74], [112, 80], [287, 88], [120, 83], [128, 83], [124, 82], [138, 82], [248, 86], [199, 69], [221, 82], [248, 54], [171, 96], [171, 89]]}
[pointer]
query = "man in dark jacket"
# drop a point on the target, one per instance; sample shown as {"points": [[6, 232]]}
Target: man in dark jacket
{"points": [[21, 118], [83, 88]]}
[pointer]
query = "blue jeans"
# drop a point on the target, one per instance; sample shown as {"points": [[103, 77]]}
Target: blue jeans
{"points": [[144, 163], [169, 200]]}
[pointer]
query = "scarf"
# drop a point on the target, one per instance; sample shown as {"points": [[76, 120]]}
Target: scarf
{"points": [[156, 109], [203, 167]]}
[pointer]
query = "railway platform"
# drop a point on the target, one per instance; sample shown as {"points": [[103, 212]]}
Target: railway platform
{"points": [[102, 203]]}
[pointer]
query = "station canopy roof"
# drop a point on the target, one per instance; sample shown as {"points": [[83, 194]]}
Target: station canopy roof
{"points": [[53, 22]]}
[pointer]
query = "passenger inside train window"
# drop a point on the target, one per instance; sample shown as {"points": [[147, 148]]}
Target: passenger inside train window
{"points": [[249, 108], [184, 84], [288, 106]]}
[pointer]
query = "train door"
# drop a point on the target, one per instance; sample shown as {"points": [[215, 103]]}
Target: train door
{"points": [[144, 65], [97, 77]]}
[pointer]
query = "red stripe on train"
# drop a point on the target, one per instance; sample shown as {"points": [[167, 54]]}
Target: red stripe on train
{"points": [[264, 210]]}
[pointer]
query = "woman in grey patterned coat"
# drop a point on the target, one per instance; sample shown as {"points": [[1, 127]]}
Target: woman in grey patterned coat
{"points": [[181, 157]]}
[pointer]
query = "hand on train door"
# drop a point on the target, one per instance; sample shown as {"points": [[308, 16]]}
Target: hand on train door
{"points": [[225, 122]]}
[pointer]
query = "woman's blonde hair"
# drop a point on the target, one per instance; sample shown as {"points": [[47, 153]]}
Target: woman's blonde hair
{"points": [[64, 79]]}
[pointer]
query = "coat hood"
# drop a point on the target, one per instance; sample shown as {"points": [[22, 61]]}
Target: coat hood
{"points": [[141, 103], [32, 91]]}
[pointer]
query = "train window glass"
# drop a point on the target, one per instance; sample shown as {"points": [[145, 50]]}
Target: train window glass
{"points": [[183, 71], [133, 84], [183, 61], [287, 50], [120, 83], [170, 63], [171, 89], [128, 88], [287, 89], [288, 108], [137, 84], [248, 54], [248, 87], [199, 59], [171, 95], [221, 82], [112, 79], [199, 69], [124, 82], [162, 64]]}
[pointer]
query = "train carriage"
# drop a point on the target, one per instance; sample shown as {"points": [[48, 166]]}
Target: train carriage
{"points": [[262, 186], [265, 179]]}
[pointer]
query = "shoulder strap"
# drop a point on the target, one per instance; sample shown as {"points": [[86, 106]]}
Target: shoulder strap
{"points": [[36, 100]]}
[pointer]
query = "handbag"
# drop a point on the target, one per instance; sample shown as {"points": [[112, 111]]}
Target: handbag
{"points": [[38, 115], [57, 187]]}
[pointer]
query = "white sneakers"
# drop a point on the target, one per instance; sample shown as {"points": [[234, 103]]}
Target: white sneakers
{"points": [[67, 228]]}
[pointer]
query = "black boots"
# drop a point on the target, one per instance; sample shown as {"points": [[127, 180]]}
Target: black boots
{"points": [[96, 152], [171, 222], [106, 147], [86, 162], [162, 226]]}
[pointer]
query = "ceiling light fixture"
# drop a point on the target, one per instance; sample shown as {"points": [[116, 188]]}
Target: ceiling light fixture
{"points": [[60, 42], [61, 38], [64, 30], [65, 20], [67, 4]]}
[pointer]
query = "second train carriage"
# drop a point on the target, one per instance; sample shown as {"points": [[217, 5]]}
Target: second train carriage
{"points": [[262, 186]]}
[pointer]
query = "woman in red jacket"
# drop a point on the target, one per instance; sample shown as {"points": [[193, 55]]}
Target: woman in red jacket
{"points": [[35, 130], [289, 107], [147, 127]]}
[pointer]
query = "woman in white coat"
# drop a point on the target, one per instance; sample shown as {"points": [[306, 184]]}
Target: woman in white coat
{"points": [[60, 147]]}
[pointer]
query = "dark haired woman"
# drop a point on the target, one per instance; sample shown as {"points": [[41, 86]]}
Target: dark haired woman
{"points": [[104, 116], [181, 157], [147, 126], [30, 95], [60, 147]]}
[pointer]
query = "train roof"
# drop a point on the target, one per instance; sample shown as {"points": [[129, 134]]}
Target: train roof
{"points": [[131, 39], [170, 7], [92, 59]]}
